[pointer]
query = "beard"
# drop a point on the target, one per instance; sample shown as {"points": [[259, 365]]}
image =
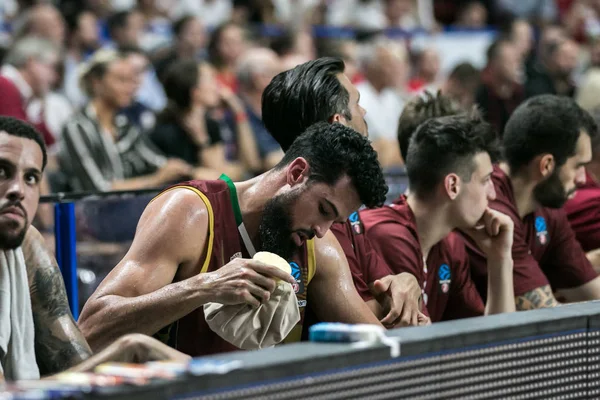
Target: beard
{"points": [[551, 192], [275, 230], [10, 237]]}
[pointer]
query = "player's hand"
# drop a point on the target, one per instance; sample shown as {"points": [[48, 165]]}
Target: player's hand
{"points": [[174, 169], [243, 281], [493, 234], [400, 297]]}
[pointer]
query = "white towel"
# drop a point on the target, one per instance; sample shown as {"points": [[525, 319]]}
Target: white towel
{"points": [[17, 351]]}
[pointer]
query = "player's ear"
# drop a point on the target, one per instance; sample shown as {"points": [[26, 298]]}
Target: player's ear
{"points": [[297, 171], [338, 118], [545, 164], [452, 185]]}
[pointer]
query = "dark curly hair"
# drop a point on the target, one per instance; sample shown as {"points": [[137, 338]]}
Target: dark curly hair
{"points": [[419, 110], [335, 150], [545, 124], [445, 145], [16, 127], [307, 94]]}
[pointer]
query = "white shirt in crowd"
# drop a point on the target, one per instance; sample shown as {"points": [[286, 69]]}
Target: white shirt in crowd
{"points": [[383, 110]]}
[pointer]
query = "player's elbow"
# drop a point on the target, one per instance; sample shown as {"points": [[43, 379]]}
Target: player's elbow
{"points": [[95, 322]]}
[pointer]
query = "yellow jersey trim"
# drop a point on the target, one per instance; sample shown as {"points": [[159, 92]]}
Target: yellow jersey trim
{"points": [[211, 221], [312, 259]]}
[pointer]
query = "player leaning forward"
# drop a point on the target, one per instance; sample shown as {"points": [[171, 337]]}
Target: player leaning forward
{"points": [[194, 245]]}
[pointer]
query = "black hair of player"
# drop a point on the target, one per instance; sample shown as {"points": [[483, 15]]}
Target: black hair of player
{"points": [[300, 97], [333, 151]]}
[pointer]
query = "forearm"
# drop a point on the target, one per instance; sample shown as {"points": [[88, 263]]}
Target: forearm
{"points": [[143, 182], [108, 317], [500, 295], [594, 257], [541, 297], [248, 151]]}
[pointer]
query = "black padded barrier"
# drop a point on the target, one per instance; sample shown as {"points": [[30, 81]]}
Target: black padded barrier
{"points": [[541, 354]]}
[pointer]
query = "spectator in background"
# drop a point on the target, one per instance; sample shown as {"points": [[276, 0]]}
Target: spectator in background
{"points": [[520, 33], [25, 79], [137, 113], [189, 44], [212, 12], [255, 71], [427, 63], [83, 40], [186, 131], [554, 75], [386, 67], [125, 29], [472, 15], [294, 47], [156, 28], [99, 152], [44, 21], [461, 84], [375, 15], [226, 45], [500, 92], [541, 12]]}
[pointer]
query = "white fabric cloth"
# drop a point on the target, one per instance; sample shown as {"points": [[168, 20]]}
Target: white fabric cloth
{"points": [[383, 110], [251, 328], [17, 347]]}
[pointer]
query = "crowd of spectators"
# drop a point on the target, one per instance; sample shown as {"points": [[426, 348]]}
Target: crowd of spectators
{"points": [[132, 94]]}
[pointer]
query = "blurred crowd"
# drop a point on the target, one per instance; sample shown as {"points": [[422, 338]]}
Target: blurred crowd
{"points": [[133, 94]]}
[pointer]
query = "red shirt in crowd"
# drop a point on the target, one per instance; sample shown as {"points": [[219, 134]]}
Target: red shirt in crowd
{"points": [[365, 264], [448, 291], [11, 105], [544, 250], [583, 212]]}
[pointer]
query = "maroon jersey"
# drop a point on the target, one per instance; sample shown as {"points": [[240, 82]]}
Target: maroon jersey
{"points": [[191, 334], [583, 212], [544, 247], [448, 291], [365, 264]]}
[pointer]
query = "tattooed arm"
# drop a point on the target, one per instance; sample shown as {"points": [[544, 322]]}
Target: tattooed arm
{"points": [[541, 297], [59, 343]]}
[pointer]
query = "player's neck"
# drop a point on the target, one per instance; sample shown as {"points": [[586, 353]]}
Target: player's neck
{"points": [[522, 190], [253, 195], [433, 222]]}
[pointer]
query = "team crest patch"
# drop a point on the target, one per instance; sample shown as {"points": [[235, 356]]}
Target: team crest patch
{"points": [[541, 230], [355, 223], [445, 277], [297, 274]]}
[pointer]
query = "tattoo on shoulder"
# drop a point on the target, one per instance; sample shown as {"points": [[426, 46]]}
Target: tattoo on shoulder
{"points": [[541, 297]]}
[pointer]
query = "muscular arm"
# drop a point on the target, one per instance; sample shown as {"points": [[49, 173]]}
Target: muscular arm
{"points": [[59, 344], [586, 292], [332, 287], [142, 294], [541, 297]]}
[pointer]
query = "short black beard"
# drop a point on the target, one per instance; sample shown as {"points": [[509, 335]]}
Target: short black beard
{"points": [[551, 193], [10, 241], [275, 230]]}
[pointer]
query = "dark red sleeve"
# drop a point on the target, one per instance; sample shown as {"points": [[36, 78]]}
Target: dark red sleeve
{"points": [[464, 300], [565, 263], [398, 249], [527, 274], [11, 104], [583, 212]]}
